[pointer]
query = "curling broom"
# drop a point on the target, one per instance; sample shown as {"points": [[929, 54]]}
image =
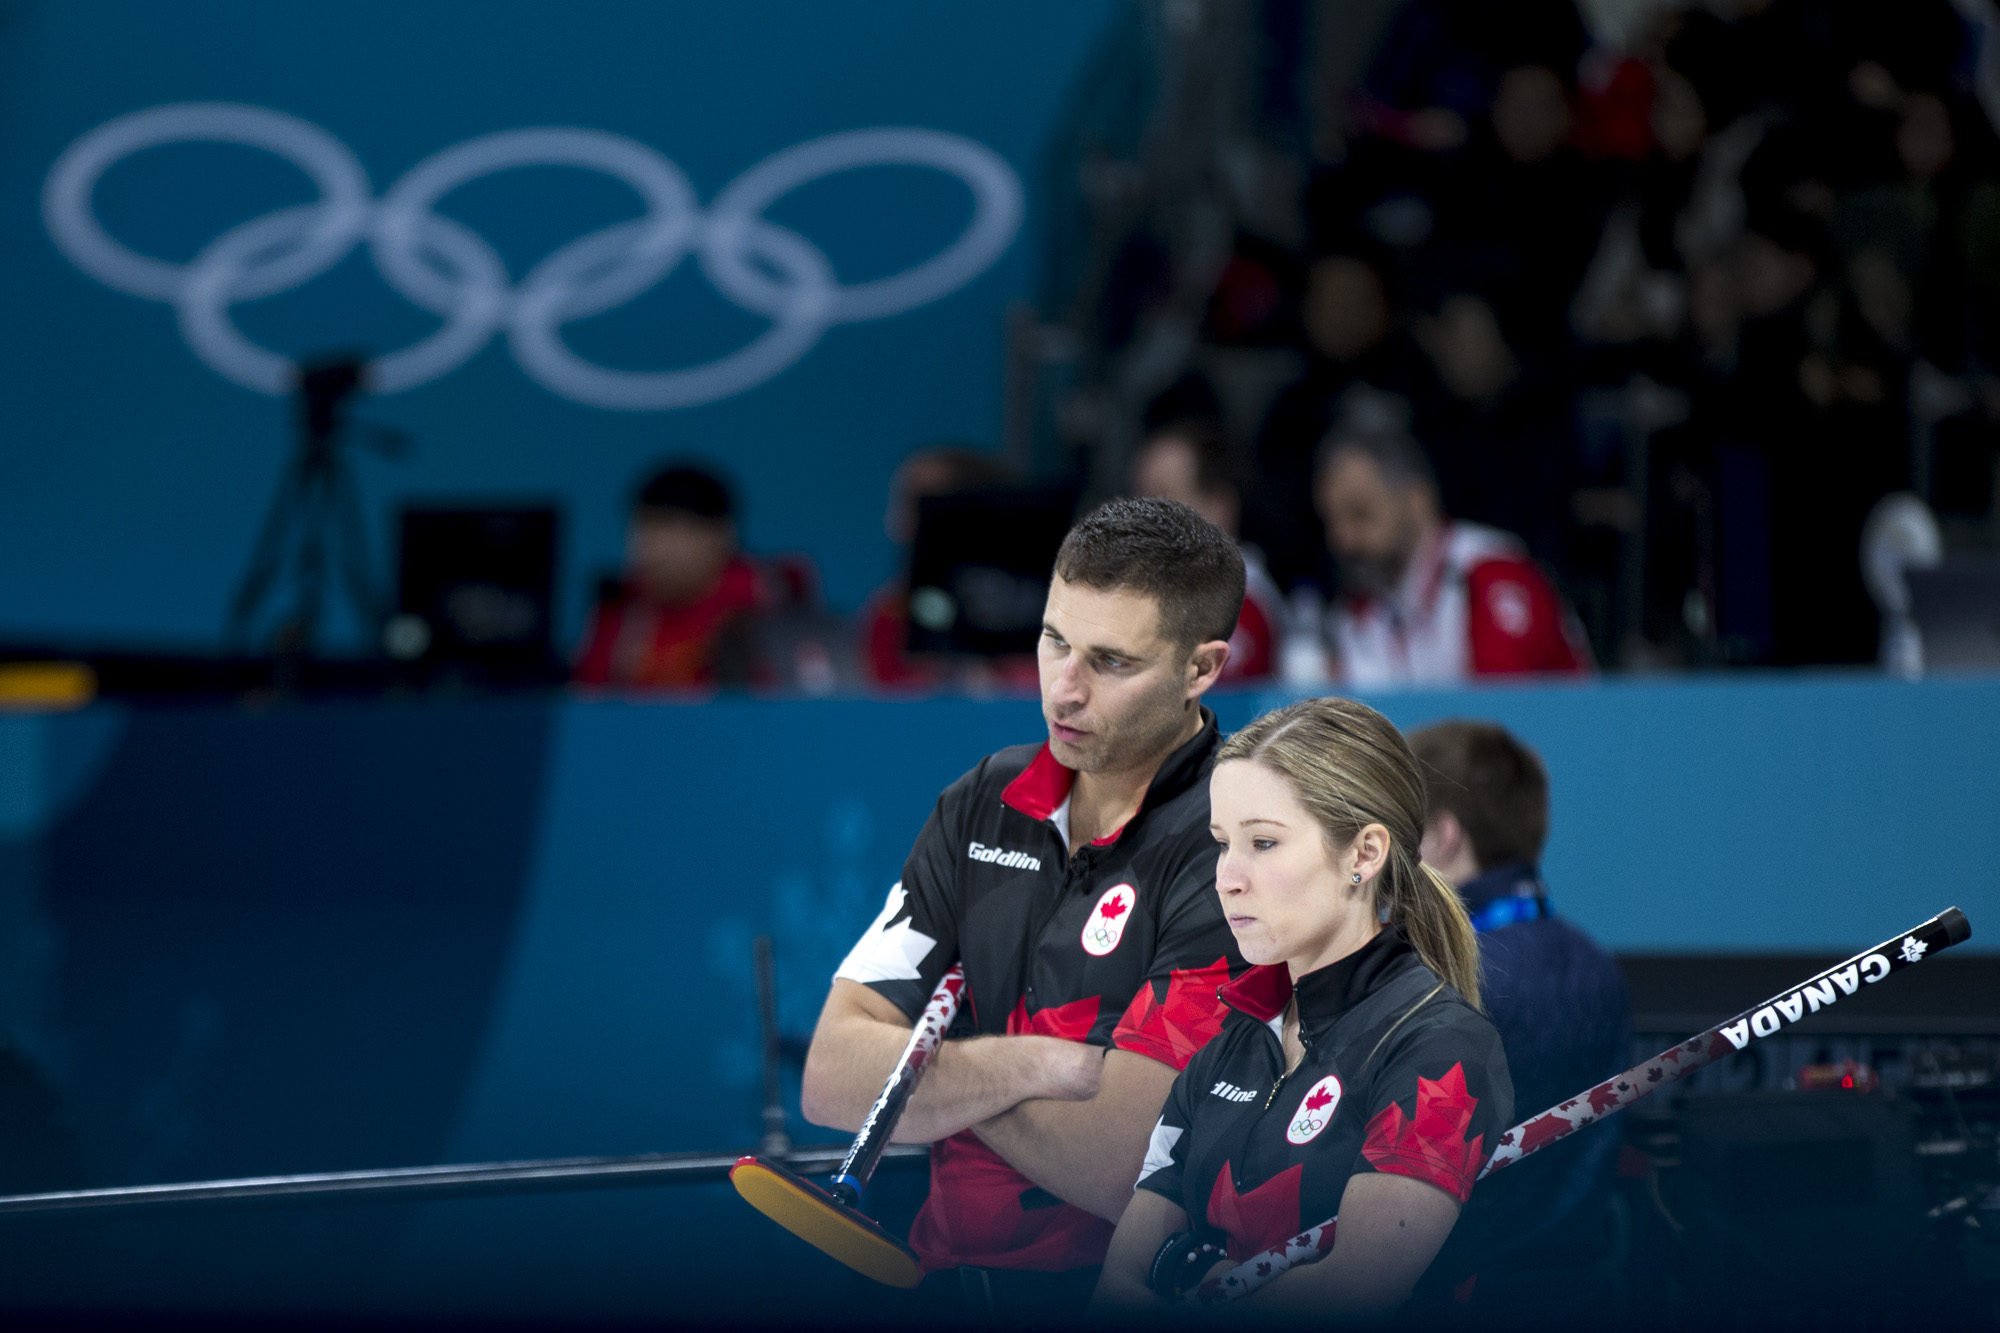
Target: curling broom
{"points": [[830, 1218], [1947, 928]]}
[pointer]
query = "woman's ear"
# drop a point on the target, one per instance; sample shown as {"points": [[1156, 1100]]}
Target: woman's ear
{"points": [[1371, 852]]}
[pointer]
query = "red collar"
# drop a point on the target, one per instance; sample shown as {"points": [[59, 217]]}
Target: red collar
{"points": [[1262, 992], [1042, 788], [1045, 783], [1325, 993]]}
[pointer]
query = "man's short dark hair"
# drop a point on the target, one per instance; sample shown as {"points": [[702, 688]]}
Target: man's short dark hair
{"points": [[1396, 453], [1167, 551], [1376, 425], [1493, 784], [685, 489]]}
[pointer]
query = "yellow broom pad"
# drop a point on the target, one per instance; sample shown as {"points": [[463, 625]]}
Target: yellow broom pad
{"points": [[822, 1221]]}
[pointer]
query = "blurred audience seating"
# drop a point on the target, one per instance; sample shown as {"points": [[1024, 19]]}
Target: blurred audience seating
{"points": [[1675, 293]]}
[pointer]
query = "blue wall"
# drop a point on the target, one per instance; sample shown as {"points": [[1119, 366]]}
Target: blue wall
{"points": [[312, 937], [132, 474]]}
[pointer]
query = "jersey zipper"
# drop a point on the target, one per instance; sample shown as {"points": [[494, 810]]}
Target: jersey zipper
{"points": [[1076, 869], [1305, 1047]]}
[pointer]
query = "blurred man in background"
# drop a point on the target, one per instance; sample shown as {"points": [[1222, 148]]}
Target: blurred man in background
{"points": [[1496, 423], [678, 617], [1558, 1000], [1191, 461], [1424, 600], [1348, 316]]}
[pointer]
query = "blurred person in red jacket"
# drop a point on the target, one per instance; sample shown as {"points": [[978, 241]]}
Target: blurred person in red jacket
{"points": [[1191, 461], [885, 620], [1424, 600], [679, 615]]}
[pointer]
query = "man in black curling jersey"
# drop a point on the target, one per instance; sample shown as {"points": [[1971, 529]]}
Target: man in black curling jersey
{"points": [[1075, 879]]}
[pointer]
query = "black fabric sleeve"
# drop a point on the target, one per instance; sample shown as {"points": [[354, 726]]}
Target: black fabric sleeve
{"points": [[914, 939], [1166, 1152], [1439, 1100], [1175, 1011]]}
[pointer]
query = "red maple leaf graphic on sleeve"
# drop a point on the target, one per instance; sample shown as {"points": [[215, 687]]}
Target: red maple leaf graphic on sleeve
{"points": [[1320, 1097], [1431, 1146], [1173, 1030], [1112, 909], [1260, 1219], [1072, 1021]]}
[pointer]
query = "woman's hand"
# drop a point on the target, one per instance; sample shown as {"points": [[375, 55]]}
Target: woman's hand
{"points": [[1143, 1228]]}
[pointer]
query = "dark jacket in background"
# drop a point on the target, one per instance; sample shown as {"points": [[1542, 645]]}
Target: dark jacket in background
{"points": [[1560, 1004]]}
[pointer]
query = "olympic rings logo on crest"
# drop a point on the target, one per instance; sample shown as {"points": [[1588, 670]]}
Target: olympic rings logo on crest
{"points": [[1315, 1111], [1105, 925], [447, 269]]}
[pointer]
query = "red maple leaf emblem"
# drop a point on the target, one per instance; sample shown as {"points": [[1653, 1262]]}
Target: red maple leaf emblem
{"points": [[1320, 1097], [1173, 1030], [1431, 1146], [1259, 1219], [1072, 1021], [1112, 908], [1543, 1129], [1604, 1097]]}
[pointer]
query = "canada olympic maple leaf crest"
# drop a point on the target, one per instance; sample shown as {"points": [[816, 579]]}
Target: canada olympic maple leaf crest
{"points": [[1105, 925], [1315, 1111]]}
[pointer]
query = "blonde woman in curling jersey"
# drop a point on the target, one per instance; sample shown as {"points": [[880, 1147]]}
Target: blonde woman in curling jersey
{"points": [[1354, 1073]]}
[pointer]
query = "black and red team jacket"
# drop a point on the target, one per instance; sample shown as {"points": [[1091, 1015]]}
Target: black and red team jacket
{"points": [[1399, 1075], [1122, 944]]}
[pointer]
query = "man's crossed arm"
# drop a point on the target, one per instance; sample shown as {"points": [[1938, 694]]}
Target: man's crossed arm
{"points": [[1072, 1118]]}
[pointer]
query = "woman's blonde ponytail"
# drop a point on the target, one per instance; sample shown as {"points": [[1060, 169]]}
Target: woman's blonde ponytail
{"points": [[1442, 933], [1350, 767]]}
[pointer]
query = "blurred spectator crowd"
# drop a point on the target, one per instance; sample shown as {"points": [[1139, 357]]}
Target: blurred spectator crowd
{"points": [[1537, 344], [1420, 599], [1675, 295]]}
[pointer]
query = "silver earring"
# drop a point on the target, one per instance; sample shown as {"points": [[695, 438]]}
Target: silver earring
{"points": [[1357, 877]]}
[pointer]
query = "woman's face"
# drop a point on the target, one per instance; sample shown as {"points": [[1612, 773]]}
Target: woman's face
{"points": [[1287, 897]]}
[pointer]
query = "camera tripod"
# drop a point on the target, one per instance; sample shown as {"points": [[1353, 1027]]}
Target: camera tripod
{"points": [[314, 527]]}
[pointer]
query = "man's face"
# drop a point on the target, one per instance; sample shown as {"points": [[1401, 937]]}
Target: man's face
{"points": [[1373, 528], [1346, 309], [1469, 348], [1114, 688], [676, 557], [1530, 113]]}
